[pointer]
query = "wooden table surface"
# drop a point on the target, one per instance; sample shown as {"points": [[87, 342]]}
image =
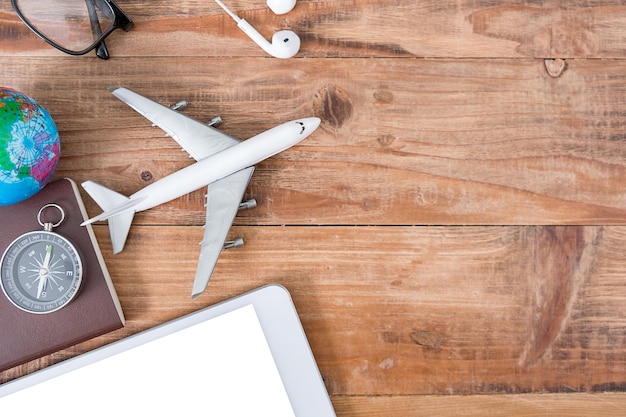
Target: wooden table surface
{"points": [[453, 235]]}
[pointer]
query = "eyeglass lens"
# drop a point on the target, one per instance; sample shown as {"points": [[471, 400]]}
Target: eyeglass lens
{"points": [[71, 24]]}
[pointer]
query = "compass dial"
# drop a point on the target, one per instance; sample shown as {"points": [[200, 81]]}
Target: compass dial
{"points": [[41, 272]]}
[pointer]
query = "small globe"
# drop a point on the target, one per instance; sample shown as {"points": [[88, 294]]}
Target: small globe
{"points": [[29, 147]]}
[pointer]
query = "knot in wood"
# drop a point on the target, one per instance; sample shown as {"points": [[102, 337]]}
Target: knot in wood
{"points": [[333, 106], [554, 67], [146, 176], [429, 340]]}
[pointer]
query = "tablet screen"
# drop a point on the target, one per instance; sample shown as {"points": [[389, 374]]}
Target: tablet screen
{"points": [[218, 367]]}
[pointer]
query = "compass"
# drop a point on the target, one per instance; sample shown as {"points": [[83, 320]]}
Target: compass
{"points": [[41, 271]]}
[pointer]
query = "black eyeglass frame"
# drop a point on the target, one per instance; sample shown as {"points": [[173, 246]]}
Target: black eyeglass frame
{"points": [[120, 21]]}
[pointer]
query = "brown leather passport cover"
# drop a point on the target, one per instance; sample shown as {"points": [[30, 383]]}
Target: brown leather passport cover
{"points": [[94, 311]]}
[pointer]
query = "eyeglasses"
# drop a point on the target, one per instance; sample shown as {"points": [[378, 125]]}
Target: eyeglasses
{"points": [[73, 26]]}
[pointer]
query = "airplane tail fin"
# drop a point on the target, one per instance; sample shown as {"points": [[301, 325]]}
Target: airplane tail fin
{"points": [[117, 209]]}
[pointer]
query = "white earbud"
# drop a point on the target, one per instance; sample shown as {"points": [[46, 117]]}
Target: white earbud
{"points": [[285, 43], [281, 6]]}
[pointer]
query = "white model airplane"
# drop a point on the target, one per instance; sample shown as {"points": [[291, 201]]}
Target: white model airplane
{"points": [[224, 163]]}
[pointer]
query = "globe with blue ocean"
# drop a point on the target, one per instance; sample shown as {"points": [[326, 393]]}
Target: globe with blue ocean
{"points": [[29, 147]]}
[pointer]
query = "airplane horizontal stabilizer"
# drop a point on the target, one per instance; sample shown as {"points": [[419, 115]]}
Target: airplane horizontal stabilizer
{"points": [[119, 226], [105, 197], [117, 209]]}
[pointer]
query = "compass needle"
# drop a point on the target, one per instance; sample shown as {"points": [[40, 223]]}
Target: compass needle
{"points": [[44, 272]]}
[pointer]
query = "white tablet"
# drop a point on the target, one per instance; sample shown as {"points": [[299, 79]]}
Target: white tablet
{"points": [[247, 356]]}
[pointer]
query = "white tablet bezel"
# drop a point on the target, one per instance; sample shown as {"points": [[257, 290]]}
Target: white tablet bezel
{"points": [[283, 332]]}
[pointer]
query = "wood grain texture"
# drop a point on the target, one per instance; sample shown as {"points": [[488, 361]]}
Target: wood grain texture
{"points": [[574, 405], [402, 141], [405, 310], [363, 28], [455, 226]]}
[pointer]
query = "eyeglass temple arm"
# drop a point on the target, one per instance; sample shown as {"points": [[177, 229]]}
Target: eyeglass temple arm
{"points": [[101, 49]]}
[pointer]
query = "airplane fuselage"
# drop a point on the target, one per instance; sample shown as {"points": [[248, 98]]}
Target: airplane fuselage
{"points": [[243, 155]]}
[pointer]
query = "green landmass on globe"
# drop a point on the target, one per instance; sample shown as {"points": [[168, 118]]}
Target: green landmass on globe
{"points": [[29, 147]]}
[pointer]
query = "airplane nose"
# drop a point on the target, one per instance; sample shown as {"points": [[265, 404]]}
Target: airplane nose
{"points": [[309, 124]]}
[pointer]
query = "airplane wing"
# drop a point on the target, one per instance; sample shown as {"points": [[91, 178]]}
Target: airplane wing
{"points": [[199, 140], [223, 199]]}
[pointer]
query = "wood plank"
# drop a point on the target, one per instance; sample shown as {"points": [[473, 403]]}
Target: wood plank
{"points": [[402, 141], [364, 28], [408, 310], [573, 405]]}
